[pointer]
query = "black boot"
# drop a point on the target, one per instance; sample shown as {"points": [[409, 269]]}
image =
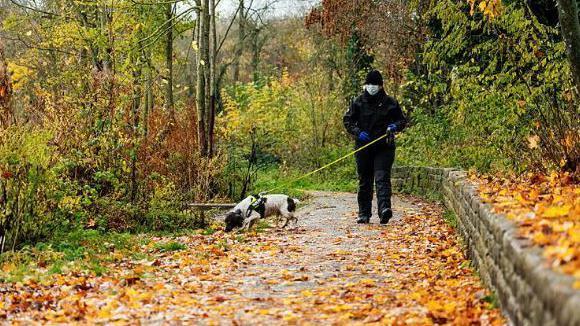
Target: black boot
{"points": [[363, 219], [386, 216]]}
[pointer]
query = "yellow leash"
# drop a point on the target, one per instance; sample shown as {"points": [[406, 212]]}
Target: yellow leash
{"points": [[327, 165]]}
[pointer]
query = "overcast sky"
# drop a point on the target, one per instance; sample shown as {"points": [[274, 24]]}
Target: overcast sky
{"points": [[280, 7]]}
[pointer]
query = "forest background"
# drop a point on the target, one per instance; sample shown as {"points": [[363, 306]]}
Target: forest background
{"points": [[114, 113]]}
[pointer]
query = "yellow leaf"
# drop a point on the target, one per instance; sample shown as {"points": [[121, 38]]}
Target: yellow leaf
{"points": [[367, 281], [416, 295], [449, 307], [306, 293], [434, 305], [574, 234], [533, 141], [105, 312], [541, 239], [482, 5], [340, 308], [290, 318], [557, 211]]}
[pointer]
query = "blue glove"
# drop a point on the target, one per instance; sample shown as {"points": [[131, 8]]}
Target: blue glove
{"points": [[392, 128], [364, 136]]}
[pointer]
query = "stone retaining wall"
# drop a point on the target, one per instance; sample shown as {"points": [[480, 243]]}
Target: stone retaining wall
{"points": [[529, 292]]}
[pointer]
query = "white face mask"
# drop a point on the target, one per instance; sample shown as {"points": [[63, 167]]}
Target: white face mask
{"points": [[372, 89]]}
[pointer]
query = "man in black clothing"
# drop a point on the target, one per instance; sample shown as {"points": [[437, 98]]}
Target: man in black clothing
{"points": [[370, 116]]}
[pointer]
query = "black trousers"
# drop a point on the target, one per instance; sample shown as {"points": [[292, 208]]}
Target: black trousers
{"points": [[374, 166]]}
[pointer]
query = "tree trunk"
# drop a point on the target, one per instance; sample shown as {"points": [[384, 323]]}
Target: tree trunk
{"points": [[135, 104], [205, 55], [6, 115], [569, 22], [169, 62], [256, 53], [255, 57], [137, 61], [202, 43], [149, 99], [206, 75], [212, 78], [241, 38], [105, 54], [191, 79], [105, 22]]}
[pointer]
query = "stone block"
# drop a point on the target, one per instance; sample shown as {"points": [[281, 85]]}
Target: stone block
{"points": [[570, 313], [548, 319], [513, 252], [475, 202], [501, 229], [534, 310], [553, 289], [486, 216], [521, 290], [457, 175]]}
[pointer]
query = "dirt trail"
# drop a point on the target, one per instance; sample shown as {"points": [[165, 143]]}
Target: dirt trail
{"points": [[327, 270]]}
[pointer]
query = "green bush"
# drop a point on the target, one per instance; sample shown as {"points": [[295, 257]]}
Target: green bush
{"points": [[495, 95], [287, 122], [26, 185], [44, 192]]}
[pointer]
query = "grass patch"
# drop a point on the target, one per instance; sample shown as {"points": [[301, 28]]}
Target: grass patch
{"points": [[466, 265], [341, 177], [80, 250], [170, 246], [492, 301], [209, 230], [450, 218], [262, 226]]}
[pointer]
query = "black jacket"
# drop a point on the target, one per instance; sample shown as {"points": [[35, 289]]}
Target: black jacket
{"points": [[373, 114]]}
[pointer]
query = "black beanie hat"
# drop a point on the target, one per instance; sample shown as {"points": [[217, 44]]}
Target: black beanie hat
{"points": [[374, 78]]}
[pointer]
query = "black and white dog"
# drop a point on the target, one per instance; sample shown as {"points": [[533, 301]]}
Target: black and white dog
{"points": [[248, 211]]}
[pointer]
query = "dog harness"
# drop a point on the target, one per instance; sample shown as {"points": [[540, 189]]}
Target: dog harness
{"points": [[255, 202]]}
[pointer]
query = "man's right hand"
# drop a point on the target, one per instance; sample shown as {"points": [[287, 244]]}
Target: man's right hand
{"points": [[364, 137]]}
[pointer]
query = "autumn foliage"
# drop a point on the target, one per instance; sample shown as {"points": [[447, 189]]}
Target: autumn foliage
{"points": [[107, 115], [489, 8], [389, 30], [5, 90], [547, 211]]}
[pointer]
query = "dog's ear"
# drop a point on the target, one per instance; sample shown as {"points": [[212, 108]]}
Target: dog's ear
{"points": [[291, 205], [229, 217], [229, 222], [238, 218], [238, 211]]}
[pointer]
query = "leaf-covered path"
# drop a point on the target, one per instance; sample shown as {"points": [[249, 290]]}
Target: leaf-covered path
{"points": [[325, 270]]}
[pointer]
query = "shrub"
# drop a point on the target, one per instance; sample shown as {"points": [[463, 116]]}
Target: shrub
{"points": [[293, 122], [26, 184], [493, 94]]}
